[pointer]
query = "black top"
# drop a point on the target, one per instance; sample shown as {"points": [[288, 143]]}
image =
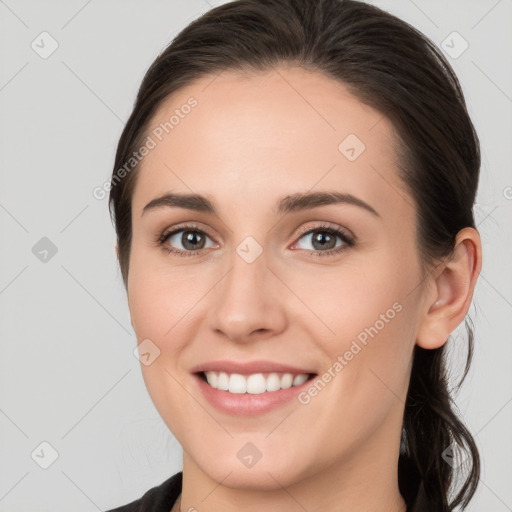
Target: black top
{"points": [[162, 498]]}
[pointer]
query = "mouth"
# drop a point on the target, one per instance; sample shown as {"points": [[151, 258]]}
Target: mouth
{"points": [[250, 389], [255, 383]]}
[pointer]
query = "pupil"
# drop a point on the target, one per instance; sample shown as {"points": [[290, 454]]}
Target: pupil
{"points": [[323, 239], [189, 240]]}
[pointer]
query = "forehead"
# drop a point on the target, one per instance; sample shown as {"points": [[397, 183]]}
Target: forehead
{"points": [[267, 133]]}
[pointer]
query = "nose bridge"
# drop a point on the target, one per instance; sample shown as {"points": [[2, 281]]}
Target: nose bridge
{"points": [[246, 299]]}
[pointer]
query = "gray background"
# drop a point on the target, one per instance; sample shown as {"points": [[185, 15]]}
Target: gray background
{"points": [[68, 376]]}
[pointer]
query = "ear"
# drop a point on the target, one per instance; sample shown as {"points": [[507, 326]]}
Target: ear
{"points": [[450, 296]]}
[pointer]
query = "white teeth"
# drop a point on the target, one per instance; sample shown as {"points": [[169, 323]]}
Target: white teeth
{"points": [[300, 379], [237, 383], [273, 382], [255, 383], [287, 380], [222, 381], [212, 379]]}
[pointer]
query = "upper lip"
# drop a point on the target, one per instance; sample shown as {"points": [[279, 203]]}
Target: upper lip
{"points": [[248, 367]]}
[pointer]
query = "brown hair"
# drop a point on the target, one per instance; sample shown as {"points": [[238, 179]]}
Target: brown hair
{"points": [[390, 66]]}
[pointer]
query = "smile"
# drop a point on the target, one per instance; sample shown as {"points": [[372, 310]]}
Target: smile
{"points": [[250, 388], [254, 384]]}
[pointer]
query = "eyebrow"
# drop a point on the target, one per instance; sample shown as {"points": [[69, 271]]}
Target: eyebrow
{"points": [[288, 204]]}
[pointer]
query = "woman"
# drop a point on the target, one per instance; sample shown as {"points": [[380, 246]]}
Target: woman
{"points": [[293, 199]]}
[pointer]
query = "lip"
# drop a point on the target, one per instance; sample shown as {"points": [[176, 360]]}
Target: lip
{"points": [[246, 404], [249, 367]]}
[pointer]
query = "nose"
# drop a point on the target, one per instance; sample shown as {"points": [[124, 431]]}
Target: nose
{"points": [[247, 304]]}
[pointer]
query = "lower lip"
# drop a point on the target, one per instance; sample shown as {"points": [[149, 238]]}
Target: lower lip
{"points": [[247, 404]]}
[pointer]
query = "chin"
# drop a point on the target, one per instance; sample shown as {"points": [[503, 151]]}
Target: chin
{"points": [[268, 473]]}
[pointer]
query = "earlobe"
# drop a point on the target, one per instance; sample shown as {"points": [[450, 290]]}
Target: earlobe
{"points": [[452, 291]]}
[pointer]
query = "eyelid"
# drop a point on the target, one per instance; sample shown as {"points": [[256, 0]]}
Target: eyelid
{"points": [[185, 226], [327, 226]]}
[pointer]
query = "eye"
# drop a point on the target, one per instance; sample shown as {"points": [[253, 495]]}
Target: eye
{"points": [[325, 241], [189, 240], [185, 240]]}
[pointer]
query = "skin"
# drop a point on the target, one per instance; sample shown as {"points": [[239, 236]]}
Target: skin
{"points": [[251, 140]]}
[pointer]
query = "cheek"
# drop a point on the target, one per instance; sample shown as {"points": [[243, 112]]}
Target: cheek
{"points": [[354, 302], [160, 296], [366, 380], [164, 303], [371, 315], [158, 308]]}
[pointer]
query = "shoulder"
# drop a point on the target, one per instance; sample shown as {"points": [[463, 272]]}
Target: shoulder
{"points": [[158, 499]]}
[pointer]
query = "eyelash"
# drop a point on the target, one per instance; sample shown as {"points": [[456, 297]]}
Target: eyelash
{"points": [[347, 240]]}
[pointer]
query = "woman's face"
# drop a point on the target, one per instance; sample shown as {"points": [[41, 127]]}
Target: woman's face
{"points": [[263, 290]]}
